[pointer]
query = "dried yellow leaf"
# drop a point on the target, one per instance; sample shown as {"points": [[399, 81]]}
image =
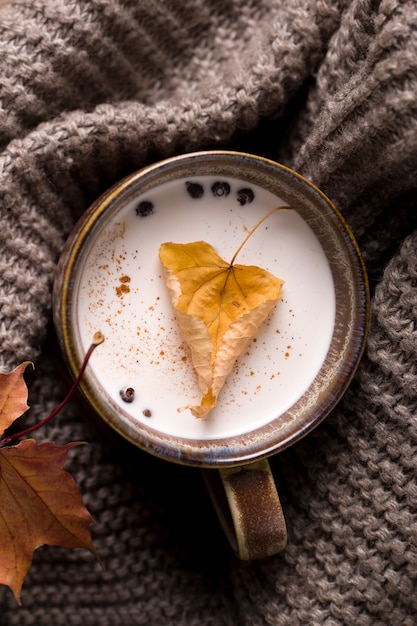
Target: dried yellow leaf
{"points": [[219, 307]]}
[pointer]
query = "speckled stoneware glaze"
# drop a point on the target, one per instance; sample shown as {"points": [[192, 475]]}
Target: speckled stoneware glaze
{"points": [[293, 371], [350, 317]]}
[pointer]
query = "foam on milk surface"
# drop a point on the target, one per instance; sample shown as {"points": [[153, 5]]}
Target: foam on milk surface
{"points": [[121, 292]]}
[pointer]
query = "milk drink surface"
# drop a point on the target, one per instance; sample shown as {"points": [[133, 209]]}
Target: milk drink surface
{"points": [[144, 364]]}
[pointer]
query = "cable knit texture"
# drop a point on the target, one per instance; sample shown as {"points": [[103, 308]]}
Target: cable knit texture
{"points": [[90, 91]]}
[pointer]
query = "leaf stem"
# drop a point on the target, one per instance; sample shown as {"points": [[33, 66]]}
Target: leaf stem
{"points": [[250, 233], [97, 340]]}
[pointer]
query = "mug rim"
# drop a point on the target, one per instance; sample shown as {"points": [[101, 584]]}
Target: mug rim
{"points": [[266, 440]]}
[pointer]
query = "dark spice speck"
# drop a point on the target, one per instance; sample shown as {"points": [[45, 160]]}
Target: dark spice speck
{"points": [[127, 394], [245, 196], [145, 208], [195, 190], [220, 189]]}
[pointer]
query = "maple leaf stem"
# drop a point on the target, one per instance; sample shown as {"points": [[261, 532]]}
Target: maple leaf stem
{"points": [[250, 233], [97, 340]]}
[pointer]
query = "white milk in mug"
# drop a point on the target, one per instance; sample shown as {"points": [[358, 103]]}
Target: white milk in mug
{"points": [[144, 364]]}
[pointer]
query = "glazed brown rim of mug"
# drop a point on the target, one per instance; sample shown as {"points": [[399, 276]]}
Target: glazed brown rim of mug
{"points": [[350, 329]]}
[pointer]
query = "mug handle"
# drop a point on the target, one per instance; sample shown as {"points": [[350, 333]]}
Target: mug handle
{"points": [[248, 507]]}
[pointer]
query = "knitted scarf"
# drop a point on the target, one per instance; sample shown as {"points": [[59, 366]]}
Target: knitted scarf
{"points": [[90, 91]]}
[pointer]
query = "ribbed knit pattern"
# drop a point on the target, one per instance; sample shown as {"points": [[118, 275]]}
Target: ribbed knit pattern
{"points": [[91, 90]]}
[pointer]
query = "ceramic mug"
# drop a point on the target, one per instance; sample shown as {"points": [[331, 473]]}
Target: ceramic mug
{"points": [[291, 373]]}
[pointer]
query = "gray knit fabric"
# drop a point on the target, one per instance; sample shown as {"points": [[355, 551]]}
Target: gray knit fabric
{"points": [[91, 90]]}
